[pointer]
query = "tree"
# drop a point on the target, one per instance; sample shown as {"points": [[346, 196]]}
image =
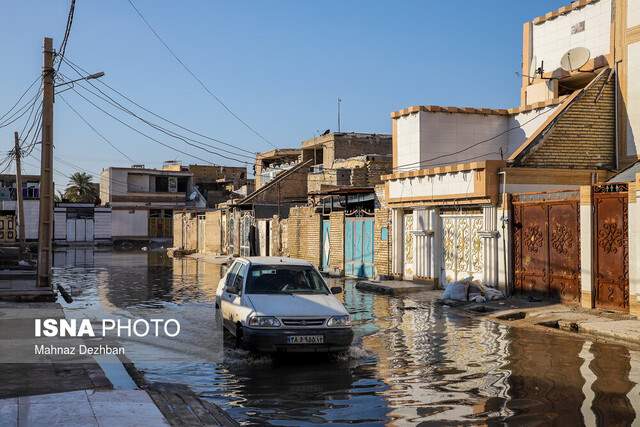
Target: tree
{"points": [[80, 189]]}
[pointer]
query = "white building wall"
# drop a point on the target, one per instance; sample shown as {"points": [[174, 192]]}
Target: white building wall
{"points": [[444, 133], [408, 139], [433, 186], [633, 13], [129, 223], [60, 224], [102, 223], [553, 38], [31, 215], [633, 98]]}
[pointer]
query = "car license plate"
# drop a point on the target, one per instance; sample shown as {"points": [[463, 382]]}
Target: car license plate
{"points": [[305, 339]]}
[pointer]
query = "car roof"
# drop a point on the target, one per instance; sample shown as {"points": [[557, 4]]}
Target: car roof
{"points": [[275, 260]]}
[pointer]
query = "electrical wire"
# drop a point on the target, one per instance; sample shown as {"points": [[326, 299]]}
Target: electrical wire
{"points": [[76, 67], [422, 162], [67, 33], [139, 131], [96, 130], [155, 33], [159, 128], [20, 98]]}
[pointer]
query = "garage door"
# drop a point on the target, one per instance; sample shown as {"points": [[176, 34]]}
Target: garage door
{"points": [[546, 245]]}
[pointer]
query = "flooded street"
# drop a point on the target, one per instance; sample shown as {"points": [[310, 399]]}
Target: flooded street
{"points": [[412, 362]]}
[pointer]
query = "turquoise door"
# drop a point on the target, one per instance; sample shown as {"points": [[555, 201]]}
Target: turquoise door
{"points": [[325, 245], [358, 247]]}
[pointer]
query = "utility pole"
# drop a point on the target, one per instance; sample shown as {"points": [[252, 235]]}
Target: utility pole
{"points": [[19, 200], [339, 101], [45, 221]]}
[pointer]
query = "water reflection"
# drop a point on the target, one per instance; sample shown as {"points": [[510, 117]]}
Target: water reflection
{"points": [[413, 361]]}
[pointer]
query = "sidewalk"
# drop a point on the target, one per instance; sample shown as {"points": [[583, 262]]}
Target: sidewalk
{"points": [[125, 408]]}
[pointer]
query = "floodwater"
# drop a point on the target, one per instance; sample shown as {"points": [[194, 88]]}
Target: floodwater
{"points": [[413, 362]]}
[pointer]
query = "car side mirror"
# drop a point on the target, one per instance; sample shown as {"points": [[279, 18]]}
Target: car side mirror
{"points": [[336, 290]]}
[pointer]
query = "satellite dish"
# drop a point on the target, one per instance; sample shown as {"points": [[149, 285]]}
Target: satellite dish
{"points": [[575, 58]]}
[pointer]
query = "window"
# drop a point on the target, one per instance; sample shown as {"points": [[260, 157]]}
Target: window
{"points": [[162, 184], [266, 279], [231, 277]]}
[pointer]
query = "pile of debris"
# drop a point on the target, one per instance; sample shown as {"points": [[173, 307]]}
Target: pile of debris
{"points": [[467, 290]]}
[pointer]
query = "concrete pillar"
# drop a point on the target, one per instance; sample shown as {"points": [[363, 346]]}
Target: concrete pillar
{"points": [[489, 236], [634, 247], [423, 237], [503, 246], [397, 243], [586, 247], [436, 244]]}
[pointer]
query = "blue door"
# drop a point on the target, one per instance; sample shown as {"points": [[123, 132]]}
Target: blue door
{"points": [[358, 247], [325, 245]]}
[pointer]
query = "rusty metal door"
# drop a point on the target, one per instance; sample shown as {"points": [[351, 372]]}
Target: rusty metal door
{"points": [[546, 245], [611, 246]]}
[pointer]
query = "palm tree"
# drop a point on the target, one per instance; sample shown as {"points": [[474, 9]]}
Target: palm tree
{"points": [[80, 189]]}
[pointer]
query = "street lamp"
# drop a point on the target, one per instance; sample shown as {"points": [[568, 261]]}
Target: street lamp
{"points": [[89, 77]]}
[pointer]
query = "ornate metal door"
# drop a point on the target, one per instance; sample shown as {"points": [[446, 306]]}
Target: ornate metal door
{"points": [[546, 244], [611, 246], [462, 254]]}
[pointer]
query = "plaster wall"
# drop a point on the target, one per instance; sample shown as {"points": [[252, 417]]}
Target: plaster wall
{"points": [[129, 223], [435, 185], [553, 38], [633, 13], [633, 98]]}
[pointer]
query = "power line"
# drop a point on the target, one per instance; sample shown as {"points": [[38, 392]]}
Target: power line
{"points": [[20, 112], [96, 130], [155, 33], [157, 127], [139, 131], [76, 67], [20, 99], [67, 33]]}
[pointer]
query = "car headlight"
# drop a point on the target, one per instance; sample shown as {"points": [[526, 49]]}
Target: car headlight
{"points": [[264, 322], [339, 321]]}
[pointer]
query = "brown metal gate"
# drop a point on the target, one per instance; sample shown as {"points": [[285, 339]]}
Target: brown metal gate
{"points": [[546, 244], [611, 246]]}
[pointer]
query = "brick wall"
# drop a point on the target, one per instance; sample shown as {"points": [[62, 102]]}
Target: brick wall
{"points": [[213, 232], [382, 248], [336, 242], [584, 135], [304, 228]]}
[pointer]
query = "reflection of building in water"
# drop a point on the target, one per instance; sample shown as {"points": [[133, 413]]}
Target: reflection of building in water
{"points": [[123, 279], [545, 381], [438, 367]]}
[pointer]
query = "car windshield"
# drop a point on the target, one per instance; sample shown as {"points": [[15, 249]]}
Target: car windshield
{"points": [[267, 279]]}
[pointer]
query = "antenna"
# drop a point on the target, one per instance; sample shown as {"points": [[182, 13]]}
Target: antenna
{"points": [[339, 101], [575, 58]]}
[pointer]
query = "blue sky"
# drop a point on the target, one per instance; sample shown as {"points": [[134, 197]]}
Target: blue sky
{"points": [[280, 65]]}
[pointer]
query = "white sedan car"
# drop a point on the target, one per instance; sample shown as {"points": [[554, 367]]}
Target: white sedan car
{"points": [[273, 304]]}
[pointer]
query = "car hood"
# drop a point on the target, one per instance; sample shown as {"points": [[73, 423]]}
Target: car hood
{"points": [[296, 305]]}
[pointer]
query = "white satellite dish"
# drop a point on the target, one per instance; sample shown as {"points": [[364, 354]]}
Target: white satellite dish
{"points": [[575, 58]]}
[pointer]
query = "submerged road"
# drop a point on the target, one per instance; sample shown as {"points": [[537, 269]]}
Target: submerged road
{"points": [[413, 361]]}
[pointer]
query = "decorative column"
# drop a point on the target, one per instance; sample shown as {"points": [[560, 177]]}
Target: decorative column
{"points": [[423, 242], [397, 243], [586, 247], [634, 247], [503, 243], [489, 236]]}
